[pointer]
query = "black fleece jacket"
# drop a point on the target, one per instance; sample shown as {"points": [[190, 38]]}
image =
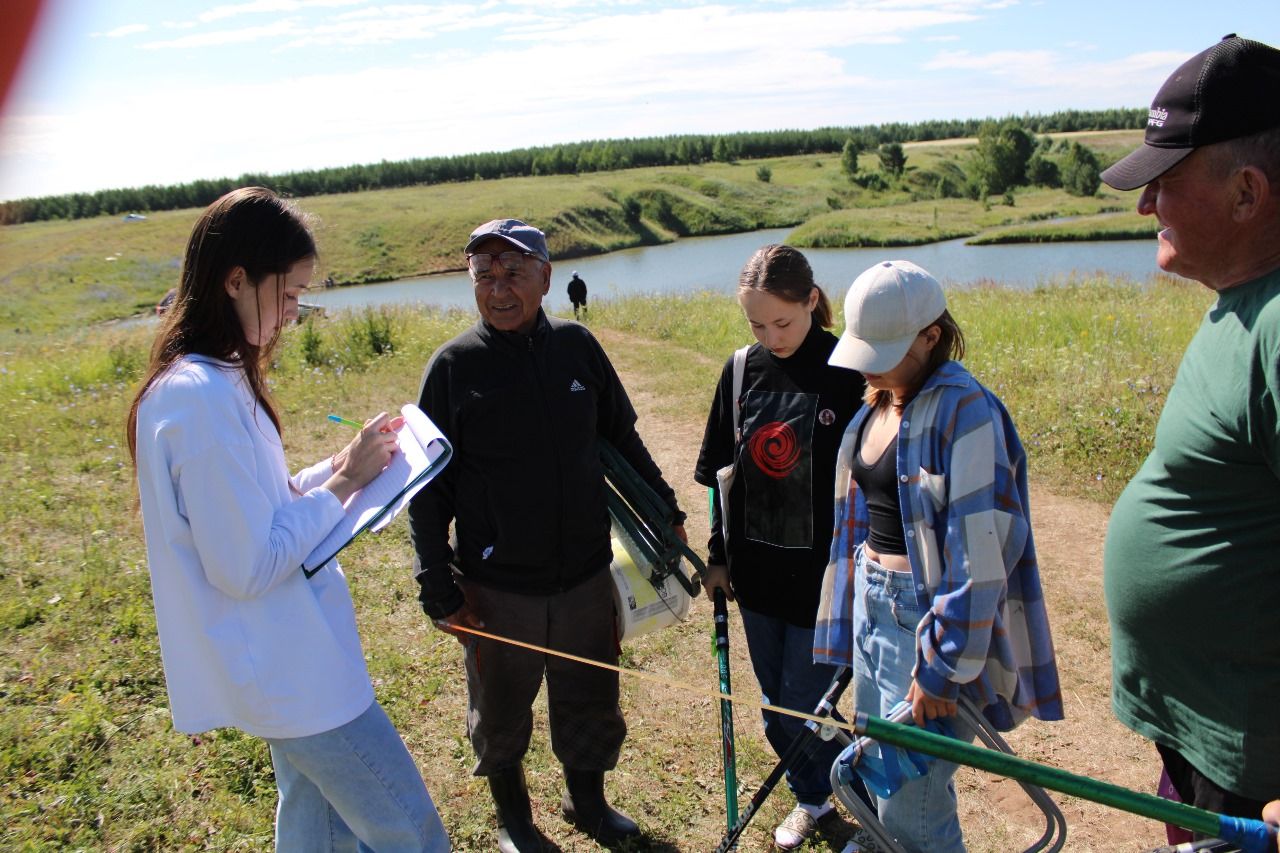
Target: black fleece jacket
{"points": [[525, 488]]}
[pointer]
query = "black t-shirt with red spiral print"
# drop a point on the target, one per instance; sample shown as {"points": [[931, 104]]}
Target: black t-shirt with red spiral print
{"points": [[794, 411]]}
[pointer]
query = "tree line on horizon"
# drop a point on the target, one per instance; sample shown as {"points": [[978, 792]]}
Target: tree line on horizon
{"points": [[562, 159]]}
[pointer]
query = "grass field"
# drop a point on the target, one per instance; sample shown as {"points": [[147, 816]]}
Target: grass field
{"points": [[1109, 225], [88, 759]]}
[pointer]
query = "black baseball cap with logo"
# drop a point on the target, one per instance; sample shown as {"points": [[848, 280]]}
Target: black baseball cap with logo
{"points": [[1226, 92]]}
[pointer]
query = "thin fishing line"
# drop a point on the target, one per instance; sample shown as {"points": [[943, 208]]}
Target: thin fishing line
{"points": [[658, 679]]}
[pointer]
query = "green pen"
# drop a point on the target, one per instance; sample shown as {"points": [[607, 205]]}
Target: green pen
{"points": [[345, 422]]}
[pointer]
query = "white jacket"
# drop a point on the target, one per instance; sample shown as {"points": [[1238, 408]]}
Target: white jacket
{"points": [[247, 640]]}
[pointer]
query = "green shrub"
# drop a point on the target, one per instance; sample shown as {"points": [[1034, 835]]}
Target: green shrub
{"points": [[632, 209], [1081, 171], [311, 344], [1043, 172], [893, 160], [874, 181], [370, 334], [849, 158]]}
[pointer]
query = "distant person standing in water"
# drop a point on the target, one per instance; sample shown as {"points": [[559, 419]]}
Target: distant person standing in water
{"points": [[577, 294]]}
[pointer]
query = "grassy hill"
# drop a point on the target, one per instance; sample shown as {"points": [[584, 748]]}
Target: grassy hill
{"points": [[66, 274]]}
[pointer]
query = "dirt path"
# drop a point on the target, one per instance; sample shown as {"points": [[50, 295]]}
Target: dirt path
{"points": [[1069, 536]]}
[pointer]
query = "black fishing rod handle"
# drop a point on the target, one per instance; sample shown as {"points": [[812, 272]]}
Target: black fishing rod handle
{"points": [[720, 609]]}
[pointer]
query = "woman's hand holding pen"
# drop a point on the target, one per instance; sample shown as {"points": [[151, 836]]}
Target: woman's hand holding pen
{"points": [[364, 457]]}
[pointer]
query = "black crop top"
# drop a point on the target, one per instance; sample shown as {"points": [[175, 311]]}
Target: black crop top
{"points": [[879, 485]]}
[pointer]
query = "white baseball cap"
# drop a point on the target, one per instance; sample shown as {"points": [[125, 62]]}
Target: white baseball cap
{"points": [[885, 309]]}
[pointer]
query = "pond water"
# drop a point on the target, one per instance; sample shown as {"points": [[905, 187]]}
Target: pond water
{"points": [[713, 263]]}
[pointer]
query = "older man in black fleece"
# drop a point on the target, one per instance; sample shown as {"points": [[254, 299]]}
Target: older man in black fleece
{"points": [[524, 398]]}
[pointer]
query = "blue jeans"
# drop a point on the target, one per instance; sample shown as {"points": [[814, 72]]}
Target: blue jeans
{"points": [[782, 657], [922, 813], [353, 788]]}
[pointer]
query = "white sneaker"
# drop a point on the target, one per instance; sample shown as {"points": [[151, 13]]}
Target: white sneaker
{"points": [[798, 827]]}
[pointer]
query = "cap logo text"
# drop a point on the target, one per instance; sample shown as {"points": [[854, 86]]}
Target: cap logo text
{"points": [[1157, 116]]}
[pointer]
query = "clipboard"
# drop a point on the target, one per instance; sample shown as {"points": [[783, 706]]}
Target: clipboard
{"points": [[423, 453]]}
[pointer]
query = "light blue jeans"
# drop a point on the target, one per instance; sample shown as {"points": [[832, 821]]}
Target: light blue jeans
{"points": [[353, 788], [922, 813], [782, 657]]}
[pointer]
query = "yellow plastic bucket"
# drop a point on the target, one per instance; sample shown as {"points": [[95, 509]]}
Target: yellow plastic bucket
{"points": [[641, 607]]}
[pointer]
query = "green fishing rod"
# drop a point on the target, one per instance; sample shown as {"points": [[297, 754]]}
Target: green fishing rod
{"points": [[727, 750], [1251, 836], [726, 709]]}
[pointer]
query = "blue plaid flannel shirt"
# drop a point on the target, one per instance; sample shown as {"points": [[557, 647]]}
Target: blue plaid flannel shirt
{"points": [[963, 493]]}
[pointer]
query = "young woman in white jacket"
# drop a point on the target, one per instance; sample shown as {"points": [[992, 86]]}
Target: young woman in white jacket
{"points": [[247, 639]]}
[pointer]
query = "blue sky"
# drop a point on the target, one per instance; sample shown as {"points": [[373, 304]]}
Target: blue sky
{"points": [[125, 92]]}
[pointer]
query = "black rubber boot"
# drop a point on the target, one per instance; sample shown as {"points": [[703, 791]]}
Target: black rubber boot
{"points": [[516, 830], [585, 807]]}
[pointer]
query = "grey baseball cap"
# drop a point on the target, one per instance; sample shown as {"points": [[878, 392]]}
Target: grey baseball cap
{"points": [[523, 236], [884, 311]]}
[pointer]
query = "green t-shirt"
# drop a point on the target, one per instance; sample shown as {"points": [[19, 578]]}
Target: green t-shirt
{"points": [[1192, 562]]}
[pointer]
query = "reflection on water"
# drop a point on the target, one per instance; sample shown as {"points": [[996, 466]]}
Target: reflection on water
{"points": [[713, 263]]}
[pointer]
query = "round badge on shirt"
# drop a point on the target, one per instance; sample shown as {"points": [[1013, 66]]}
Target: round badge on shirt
{"points": [[826, 417]]}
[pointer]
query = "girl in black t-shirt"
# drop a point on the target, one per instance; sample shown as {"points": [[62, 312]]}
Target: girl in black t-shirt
{"points": [[792, 411]]}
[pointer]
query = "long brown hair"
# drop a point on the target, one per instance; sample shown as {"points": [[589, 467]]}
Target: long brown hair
{"points": [[783, 272], [251, 228], [950, 346]]}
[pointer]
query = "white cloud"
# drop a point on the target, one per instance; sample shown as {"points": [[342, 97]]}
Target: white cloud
{"points": [[126, 30], [255, 7], [374, 27], [718, 28], [1127, 80], [225, 37], [1162, 61], [1009, 63]]}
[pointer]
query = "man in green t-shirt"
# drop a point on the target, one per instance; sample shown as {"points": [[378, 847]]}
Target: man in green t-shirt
{"points": [[1192, 561]]}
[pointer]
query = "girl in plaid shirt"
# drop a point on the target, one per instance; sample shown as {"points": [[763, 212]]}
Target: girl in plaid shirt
{"points": [[932, 588]]}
